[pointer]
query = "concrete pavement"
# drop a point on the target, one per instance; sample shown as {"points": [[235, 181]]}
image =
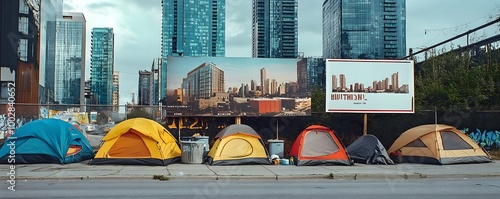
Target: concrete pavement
{"points": [[271, 172]]}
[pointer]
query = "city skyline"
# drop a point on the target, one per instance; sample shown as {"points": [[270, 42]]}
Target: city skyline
{"points": [[237, 69], [382, 85], [129, 18]]}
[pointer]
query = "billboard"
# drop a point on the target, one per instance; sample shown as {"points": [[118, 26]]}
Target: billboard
{"points": [[369, 86], [234, 86]]}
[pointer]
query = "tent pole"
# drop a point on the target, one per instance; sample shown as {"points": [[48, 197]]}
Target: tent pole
{"points": [[237, 120], [365, 126]]}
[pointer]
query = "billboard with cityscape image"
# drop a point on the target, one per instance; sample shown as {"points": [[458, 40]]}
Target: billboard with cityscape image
{"points": [[234, 86], [369, 86]]}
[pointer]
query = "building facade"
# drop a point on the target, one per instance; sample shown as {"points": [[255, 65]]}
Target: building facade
{"points": [[116, 91], [192, 28], [316, 72], [275, 28], [19, 42], [102, 65], [203, 82], [65, 68], [146, 88], [264, 81], [366, 29], [51, 15]]}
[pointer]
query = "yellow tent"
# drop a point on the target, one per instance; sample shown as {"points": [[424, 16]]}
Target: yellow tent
{"points": [[438, 144], [138, 141], [238, 144]]}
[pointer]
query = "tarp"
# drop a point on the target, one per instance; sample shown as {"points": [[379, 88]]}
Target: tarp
{"points": [[47, 141], [238, 144], [138, 141], [367, 149], [438, 144], [318, 145]]}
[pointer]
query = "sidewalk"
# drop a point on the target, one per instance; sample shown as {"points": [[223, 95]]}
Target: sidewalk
{"points": [[261, 172]]}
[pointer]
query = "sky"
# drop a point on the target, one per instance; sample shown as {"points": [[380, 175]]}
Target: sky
{"points": [[137, 28]]}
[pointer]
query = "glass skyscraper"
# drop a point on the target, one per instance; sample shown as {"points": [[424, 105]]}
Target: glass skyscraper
{"points": [[102, 65], [51, 13], [364, 29], [275, 28], [192, 28], [65, 75]]}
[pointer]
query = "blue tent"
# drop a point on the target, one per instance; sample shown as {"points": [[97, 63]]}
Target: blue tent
{"points": [[46, 141]]}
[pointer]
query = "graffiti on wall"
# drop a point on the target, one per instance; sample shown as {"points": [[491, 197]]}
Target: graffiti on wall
{"points": [[4, 125], [485, 138], [189, 125]]}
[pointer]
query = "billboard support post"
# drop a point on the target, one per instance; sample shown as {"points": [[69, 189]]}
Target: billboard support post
{"points": [[277, 127], [365, 126], [179, 129]]}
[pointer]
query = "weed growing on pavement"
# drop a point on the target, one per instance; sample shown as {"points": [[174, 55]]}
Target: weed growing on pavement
{"points": [[495, 155], [161, 177], [330, 175]]}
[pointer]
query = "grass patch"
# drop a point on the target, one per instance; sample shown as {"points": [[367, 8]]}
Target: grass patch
{"points": [[330, 176], [495, 155], [161, 177]]}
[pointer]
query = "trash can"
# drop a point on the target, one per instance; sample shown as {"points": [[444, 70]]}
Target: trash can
{"points": [[276, 147], [192, 152], [206, 142], [186, 138]]}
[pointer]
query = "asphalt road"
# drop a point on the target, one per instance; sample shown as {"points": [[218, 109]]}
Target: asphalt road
{"points": [[145, 189]]}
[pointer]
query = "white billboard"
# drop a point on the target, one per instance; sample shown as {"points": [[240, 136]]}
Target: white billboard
{"points": [[369, 86]]}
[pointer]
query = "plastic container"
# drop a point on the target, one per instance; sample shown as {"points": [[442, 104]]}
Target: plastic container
{"points": [[206, 143], [192, 152], [276, 147], [284, 162], [186, 138]]}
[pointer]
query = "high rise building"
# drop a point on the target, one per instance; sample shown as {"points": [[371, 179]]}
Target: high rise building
{"points": [[19, 44], [263, 81], [146, 86], [253, 85], [275, 28], [316, 72], [368, 29], [302, 76], [395, 81], [102, 65], [334, 82], [192, 28], [343, 84], [116, 91], [204, 82], [51, 15], [65, 63], [273, 87]]}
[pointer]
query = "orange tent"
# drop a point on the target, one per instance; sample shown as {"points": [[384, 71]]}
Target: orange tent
{"points": [[318, 145]]}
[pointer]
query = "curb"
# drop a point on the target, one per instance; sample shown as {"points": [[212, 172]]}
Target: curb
{"points": [[452, 176], [415, 176]]}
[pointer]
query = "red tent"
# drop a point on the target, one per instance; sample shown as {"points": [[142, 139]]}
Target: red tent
{"points": [[318, 145]]}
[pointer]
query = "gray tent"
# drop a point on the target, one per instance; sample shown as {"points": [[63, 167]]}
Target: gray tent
{"points": [[368, 150]]}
